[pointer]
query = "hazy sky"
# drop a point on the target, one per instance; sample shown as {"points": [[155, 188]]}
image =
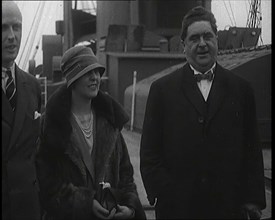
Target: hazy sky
{"points": [[45, 11], [227, 13]]}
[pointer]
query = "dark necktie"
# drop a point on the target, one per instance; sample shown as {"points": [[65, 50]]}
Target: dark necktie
{"points": [[10, 89], [209, 76]]}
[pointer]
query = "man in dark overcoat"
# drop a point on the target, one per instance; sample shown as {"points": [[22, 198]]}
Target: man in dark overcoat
{"points": [[200, 155], [21, 101]]}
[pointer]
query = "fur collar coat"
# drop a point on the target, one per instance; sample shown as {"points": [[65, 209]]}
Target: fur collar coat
{"points": [[67, 188]]}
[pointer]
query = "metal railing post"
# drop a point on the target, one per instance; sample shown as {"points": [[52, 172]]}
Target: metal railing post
{"points": [[133, 100]]}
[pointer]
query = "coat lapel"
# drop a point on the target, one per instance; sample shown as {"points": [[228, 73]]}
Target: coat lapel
{"points": [[71, 152], [79, 140], [217, 93], [22, 102], [105, 142], [7, 113], [191, 90]]}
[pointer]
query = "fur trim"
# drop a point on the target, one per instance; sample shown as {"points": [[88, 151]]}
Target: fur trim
{"points": [[57, 128], [110, 109]]}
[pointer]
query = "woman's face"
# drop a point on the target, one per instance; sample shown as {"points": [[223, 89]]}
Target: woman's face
{"points": [[88, 85]]}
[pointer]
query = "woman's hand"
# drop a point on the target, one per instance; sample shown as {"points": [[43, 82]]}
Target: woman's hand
{"points": [[101, 212], [124, 212]]}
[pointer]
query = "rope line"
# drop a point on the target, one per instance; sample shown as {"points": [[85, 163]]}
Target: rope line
{"points": [[228, 13], [21, 55]]}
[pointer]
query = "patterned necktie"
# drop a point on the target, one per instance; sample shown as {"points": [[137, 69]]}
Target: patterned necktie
{"points": [[10, 89], [209, 76]]}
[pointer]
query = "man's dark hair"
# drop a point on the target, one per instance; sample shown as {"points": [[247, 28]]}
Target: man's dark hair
{"points": [[198, 13]]}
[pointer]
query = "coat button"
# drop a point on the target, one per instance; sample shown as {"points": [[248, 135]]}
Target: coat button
{"points": [[201, 119]]}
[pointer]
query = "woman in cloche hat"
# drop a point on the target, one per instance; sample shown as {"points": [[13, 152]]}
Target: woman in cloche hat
{"points": [[82, 149]]}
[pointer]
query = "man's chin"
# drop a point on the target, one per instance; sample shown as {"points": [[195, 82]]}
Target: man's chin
{"points": [[9, 58], [205, 62]]}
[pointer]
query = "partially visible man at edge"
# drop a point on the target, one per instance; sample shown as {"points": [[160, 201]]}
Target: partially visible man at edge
{"points": [[200, 151], [21, 102]]}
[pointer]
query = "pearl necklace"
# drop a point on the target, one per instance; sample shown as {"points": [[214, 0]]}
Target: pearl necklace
{"points": [[87, 131]]}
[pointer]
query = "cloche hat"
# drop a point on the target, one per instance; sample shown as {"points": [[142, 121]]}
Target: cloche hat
{"points": [[78, 61]]}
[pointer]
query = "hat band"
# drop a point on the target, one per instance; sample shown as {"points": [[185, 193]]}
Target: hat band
{"points": [[78, 64]]}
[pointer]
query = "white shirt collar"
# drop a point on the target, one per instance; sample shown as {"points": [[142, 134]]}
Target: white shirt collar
{"points": [[198, 72], [4, 70]]}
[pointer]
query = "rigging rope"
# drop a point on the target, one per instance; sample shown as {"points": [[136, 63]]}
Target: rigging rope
{"points": [[232, 14], [21, 55], [45, 27], [228, 13], [34, 32]]}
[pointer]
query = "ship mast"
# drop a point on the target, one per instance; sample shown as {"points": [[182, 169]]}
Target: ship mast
{"points": [[254, 19], [255, 16], [68, 27]]}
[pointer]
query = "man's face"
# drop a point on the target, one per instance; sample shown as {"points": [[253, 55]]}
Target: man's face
{"points": [[11, 32], [201, 46]]}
